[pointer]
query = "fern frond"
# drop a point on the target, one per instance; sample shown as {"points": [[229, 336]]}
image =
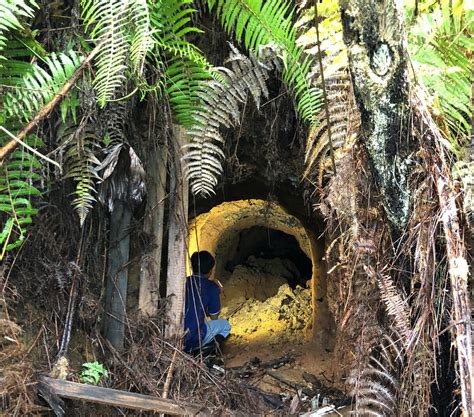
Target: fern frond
{"points": [[81, 143], [16, 66], [441, 47], [39, 86], [342, 114], [257, 24], [17, 187], [11, 13], [185, 65], [107, 21], [341, 117], [376, 388], [220, 106], [142, 38], [396, 307]]}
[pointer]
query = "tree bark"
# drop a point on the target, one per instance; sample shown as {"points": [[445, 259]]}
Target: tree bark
{"points": [[177, 237], [150, 265], [117, 274], [374, 36]]}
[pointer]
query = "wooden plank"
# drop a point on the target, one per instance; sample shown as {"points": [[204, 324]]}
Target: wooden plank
{"points": [[117, 398]]}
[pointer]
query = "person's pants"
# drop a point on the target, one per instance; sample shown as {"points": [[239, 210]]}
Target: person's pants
{"points": [[215, 327]]}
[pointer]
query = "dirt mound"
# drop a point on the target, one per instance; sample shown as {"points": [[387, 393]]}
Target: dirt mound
{"points": [[260, 304]]}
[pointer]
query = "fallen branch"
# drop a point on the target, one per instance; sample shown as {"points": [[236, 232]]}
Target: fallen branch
{"points": [[44, 112], [117, 398]]}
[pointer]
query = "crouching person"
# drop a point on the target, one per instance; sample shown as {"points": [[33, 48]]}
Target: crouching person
{"points": [[203, 299]]}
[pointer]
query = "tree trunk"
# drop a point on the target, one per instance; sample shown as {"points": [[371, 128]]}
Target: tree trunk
{"points": [[374, 37], [178, 236], [150, 265], [117, 274]]}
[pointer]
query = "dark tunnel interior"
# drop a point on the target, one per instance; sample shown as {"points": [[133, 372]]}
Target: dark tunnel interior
{"points": [[265, 243]]}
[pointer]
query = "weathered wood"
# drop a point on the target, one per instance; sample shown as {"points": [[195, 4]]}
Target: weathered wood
{"points": [[178, 235], [374, 36], [117, 398], [117, 274], [458, 268], [150, 264]]}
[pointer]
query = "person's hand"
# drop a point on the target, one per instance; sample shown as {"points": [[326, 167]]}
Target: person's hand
{"points": [[219, 284]]}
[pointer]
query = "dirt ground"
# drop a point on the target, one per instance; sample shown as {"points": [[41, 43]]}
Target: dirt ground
{"points": [[270, 321]]}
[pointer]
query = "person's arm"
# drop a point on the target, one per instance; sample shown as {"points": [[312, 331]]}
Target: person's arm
{"points": [[214, 302]]}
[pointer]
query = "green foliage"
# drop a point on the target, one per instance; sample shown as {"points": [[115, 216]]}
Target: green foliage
{"points": [[81, 141], [185, 65], [256, 24], [30, 87], [11, 13], [17, 187], [122, 28], [442, 49], [220, 105], [93, 373], [38, 86], [142, 37]]}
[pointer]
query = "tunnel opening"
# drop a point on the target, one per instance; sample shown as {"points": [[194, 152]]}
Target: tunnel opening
{"points": [[273, 277], [266, 248]]}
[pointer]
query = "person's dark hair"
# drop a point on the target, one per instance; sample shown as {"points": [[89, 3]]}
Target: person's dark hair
{"points": [[202, 262]]}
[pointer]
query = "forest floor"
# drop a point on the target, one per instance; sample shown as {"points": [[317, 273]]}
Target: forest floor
{"points": [[271, 339]]}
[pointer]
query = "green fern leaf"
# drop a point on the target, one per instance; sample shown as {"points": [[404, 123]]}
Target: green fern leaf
{"points": [[11, 12], [142, 38], [185, 65], [257, 24], [441, 48], [81, 143], [107, 21], [220, 103], [39, 86], [17, 187]]}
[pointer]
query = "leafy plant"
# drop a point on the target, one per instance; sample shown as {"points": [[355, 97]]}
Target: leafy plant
{"points": [[442, 47], [122, 27], [11, 13], [185, 65], [271, 23], [17, 187], [93, 373], [30, 87], [221, 102], [81, 142], [39, 86]]}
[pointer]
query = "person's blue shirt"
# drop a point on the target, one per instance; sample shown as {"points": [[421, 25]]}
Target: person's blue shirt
{"points": [[202, 299]]}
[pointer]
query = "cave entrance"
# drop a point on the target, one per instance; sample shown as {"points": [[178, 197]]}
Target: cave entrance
{"points": [[272, 273]]}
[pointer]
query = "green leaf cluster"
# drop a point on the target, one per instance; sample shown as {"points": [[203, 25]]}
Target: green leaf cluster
{"points": [[185, 66], [258, 23], [17, 187], [123, 30], [11, 14], [93, 372], [442, 49], [38, 86], [28, 87]]}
